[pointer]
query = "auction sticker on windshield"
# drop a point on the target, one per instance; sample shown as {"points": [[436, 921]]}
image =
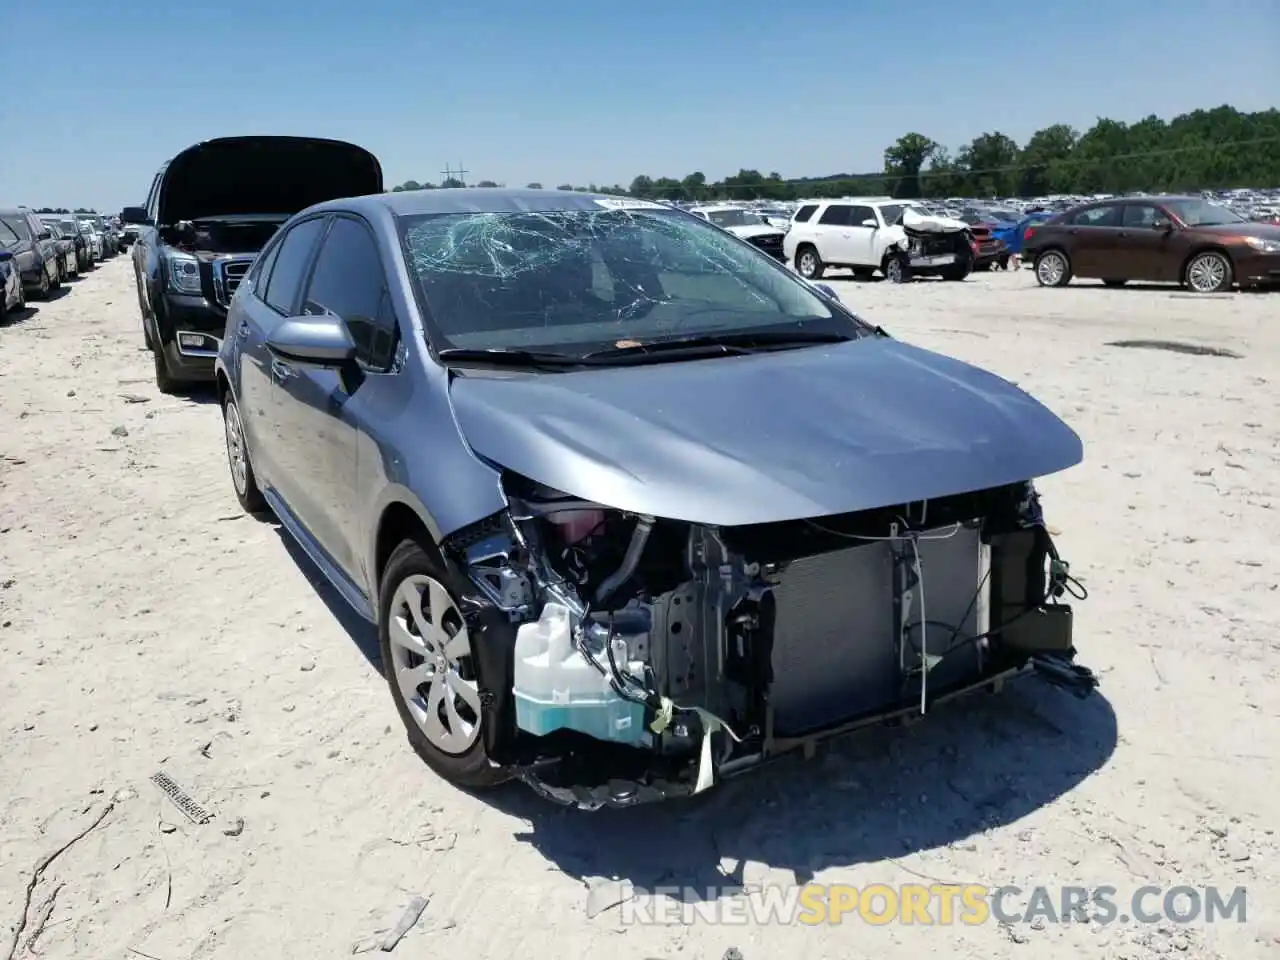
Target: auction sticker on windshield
{"points": [[627, 203]]}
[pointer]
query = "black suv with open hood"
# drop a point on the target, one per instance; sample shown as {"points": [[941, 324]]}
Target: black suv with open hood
{"points": [[210, 210]]}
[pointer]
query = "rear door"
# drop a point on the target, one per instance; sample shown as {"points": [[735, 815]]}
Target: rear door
{"points": [[831, 232], [277, 286], [1094, 237]]}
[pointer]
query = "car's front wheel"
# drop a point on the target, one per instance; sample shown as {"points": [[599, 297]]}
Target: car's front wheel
{"points": [[165, 381], [426, 656], [1209, 272], [242, 477]]}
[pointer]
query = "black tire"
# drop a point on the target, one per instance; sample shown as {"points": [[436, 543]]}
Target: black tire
{"points": [[1114, 283], [957, 273], [1053, 268], [1215, 268], [142, 311], [807, 259], [165, 381], [470, 768], [244, 484], [43, 292], [895, 269]]}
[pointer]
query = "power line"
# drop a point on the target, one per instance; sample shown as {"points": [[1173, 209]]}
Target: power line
{"points": [[459, 174]]}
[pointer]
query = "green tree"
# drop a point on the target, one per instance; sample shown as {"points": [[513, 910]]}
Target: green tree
{"points": [[904, 160]]}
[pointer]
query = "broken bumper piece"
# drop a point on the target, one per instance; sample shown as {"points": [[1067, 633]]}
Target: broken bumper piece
{"points": [[630, 659]]}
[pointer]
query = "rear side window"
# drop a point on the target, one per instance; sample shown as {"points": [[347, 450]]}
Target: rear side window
{"points": [[1097, 217], [805, 212], [291, 263], [8, 237], [349, 281], [263, 271], [837, 215]]}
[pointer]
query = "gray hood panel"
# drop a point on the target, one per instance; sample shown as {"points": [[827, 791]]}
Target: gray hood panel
{"points": [[776, 436]]}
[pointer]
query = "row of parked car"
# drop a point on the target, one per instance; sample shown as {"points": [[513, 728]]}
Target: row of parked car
{"points": [[41, 251]]}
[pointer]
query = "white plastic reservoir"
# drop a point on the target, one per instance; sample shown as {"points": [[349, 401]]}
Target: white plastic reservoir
{"points": [[557, 689]]}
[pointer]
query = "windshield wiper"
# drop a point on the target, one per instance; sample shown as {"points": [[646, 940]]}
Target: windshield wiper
{"points": [[718, 343], [510, 356]]}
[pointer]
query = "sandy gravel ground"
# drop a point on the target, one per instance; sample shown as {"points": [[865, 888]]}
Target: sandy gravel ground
{"points": [[145, 625]]}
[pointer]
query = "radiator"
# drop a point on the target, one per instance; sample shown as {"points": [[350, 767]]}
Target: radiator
{"points": [[834, 652]]}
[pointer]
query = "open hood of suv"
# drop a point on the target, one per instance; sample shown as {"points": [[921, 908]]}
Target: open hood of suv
{"points": [[239, 175]]}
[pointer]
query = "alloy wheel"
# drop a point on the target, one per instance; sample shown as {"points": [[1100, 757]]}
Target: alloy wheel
{"points": [[1207, 273], [236, 457], [431, 663], [807, 263], [893, 271], [1050, 269]]}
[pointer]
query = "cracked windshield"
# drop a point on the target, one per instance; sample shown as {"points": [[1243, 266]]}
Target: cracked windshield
{"points": [[580, 279]]}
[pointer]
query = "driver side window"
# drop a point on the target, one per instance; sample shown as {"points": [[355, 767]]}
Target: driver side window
{"points": [[349, 282]]}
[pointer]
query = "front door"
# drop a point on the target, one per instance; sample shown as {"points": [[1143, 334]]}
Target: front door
{"points": [[862, 238], [321, 410], [1149, 242]]}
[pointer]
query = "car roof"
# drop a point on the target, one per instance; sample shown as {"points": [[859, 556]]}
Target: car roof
{"points": [[409, 203]]}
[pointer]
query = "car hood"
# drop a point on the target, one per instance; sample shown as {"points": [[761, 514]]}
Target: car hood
{"points": [[763, 438], [239, 175], [746, 232]]}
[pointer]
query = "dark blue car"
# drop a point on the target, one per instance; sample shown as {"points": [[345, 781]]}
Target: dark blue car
{"points": [[631, 505]]}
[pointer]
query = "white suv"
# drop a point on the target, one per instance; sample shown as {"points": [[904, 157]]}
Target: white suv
{"points": [[844, 233]]}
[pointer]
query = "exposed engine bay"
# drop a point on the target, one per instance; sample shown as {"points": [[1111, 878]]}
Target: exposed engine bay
{"points": [[934, 245], [220, 235], [624, 658]]}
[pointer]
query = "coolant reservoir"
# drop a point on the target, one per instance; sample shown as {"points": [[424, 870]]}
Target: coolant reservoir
{"points": [[557, 689]]}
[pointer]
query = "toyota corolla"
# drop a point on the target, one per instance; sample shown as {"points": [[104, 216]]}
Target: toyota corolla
{"points": [[633, 507]]}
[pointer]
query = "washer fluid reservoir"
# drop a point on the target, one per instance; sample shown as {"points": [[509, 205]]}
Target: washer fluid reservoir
{"points": [[557, 689]]}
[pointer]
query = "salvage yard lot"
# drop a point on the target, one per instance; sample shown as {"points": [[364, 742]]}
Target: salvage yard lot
{"points": [[147, 625]]}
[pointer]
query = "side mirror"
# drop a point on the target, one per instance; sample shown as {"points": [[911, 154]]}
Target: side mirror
{"points": [[320, 341], [44, 235], [135, 215], [869, 222], [1164, 225]]}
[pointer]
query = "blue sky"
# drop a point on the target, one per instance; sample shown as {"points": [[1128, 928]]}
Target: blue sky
{"points": [[558, 91]]}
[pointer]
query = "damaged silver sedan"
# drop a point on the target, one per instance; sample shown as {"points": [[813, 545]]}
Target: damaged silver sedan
{"points": [[633, 507]]}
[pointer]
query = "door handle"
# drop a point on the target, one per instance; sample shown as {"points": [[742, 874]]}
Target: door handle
{"points": [[281, 369], [1123, 233], [243, 331]]}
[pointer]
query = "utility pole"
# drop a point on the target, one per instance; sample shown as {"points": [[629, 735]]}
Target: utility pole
{"points": [[451, 174]]}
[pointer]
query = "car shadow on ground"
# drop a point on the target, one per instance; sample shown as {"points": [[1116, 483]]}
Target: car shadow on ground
{"points": [[198, 393], [362, 633], [56, 295], [886, 793], [16, 317], [973, 764]]}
